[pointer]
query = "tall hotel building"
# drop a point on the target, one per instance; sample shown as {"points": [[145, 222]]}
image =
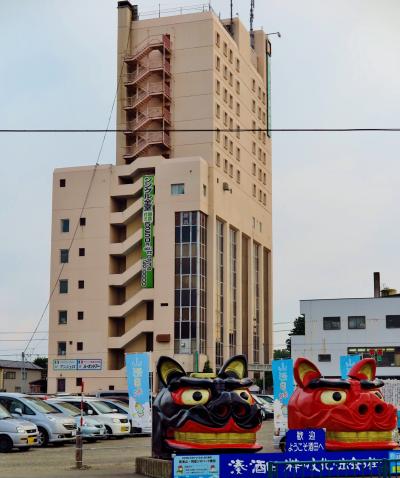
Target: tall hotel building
{"points": [[172, 251]]}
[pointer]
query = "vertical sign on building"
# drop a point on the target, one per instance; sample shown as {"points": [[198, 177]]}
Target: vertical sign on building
{"points": [[138, 378], [282, 375], [147, 279], [269, 88], [346, 363]]}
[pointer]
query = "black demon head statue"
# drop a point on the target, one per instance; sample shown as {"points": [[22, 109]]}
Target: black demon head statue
{"points": [[204, 413]]}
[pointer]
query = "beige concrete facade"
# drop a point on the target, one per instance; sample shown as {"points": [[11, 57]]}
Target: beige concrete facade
{"points": [[179, 72]]}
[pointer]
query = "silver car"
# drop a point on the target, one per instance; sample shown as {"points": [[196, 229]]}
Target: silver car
{"points": [[53, 426], [16, 433]]}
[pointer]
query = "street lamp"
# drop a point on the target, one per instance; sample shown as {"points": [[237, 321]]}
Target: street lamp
{"points": [[274, 33]]}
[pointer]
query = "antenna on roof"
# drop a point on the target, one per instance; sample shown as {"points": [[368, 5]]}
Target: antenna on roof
{"points": [[231, 13], [251, 23]]}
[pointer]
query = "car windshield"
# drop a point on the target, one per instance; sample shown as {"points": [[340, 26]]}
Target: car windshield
{"points": [[68, 409], [101, 407], [4, 414], [41, 406], [120, 406]]}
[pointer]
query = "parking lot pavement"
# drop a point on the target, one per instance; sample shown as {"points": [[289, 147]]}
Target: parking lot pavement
{"points": [[105, 458]]}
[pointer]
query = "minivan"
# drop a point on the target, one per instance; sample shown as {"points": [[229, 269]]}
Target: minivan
{"points": [[53, 426], [116, 424], [16, 433]]}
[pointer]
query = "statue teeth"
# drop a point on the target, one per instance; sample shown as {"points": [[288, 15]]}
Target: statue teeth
{"points": [[361, 436], [215, 438]]}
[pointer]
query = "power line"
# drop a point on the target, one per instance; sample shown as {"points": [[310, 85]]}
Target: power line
{"points": [[105, 131], [205, 130]]}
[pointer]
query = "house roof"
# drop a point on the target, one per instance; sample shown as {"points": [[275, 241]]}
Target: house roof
{"points": [[19, 364]]}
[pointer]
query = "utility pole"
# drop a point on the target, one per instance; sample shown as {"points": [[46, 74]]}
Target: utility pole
{"points": [[23, 374]]}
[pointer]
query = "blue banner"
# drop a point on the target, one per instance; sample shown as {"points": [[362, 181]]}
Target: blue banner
{"points": [[138, 378], [346, 363], [282, 375]]}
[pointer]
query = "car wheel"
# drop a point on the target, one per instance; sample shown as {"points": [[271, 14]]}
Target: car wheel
{"points": [[43, 437], [6, 444], [108, 431]]}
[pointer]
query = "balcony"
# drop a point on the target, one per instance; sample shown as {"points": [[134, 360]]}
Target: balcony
{"points": [[150, 114], [160, 42], [144, 70], [144, 94]]}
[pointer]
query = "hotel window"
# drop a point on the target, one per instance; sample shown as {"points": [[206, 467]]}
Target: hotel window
{"points": [[219, 337], [79, 346], [253, 85], [253, 126], [238, 109], [225, 49], [231, 124], [230, 101], [63, 286], [259, 92], [226, 165], [231, 147], [254, 169], [218, 111], [265, 199], [260, 195], [233, 290], [78, 381], [218, 63], [225, 119], [356, 321], [82, 221], [217, 39], [218, 88], [82, 251], [64, 225], [259, 174], [62, 183], [61, 385], [264, 178], [231, 170], [254, 190], [237, 64], [230, 56], [264, 158], [81, 284], [238, 154], [238, 131], [177, 189], [263, 97], [259, 153], [80, 315], [225, 95], [190, 282], [253, 106], [253, 147], [257, 305], [231, 78], [225, 72], [331, 323], [238, 87], [225, 142], [61, 348], [393, 321], [218, 159], [62, 317], [64, 253], [238, 176], [218, 135]]}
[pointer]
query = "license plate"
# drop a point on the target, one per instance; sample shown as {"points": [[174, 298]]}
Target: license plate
{"points": [[124, 429], [31, 440]]}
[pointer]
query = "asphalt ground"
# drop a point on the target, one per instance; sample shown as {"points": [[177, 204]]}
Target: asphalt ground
{"points": [[106, 458]]}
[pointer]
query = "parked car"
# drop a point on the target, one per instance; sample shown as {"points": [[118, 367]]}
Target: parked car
{"points": [[267, 398], [116, 424], [266, 408], [91, 428], [53, 426], [15, 433], [121, 395]]}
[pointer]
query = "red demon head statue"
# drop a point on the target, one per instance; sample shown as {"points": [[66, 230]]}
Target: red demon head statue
{"points": [[352, 411]]}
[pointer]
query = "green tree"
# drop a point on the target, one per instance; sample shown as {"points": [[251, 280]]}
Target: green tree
{"points": [[299, 328], [41, 362], [281, 354]]}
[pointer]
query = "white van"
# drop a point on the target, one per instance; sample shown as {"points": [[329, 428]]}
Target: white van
{"points": [[16, 433], [116, 424]]}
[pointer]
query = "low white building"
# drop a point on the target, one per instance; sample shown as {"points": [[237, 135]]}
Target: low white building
{"points": [[366, 326]]}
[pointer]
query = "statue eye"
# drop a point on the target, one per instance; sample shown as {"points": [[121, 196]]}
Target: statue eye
{"points": [[195, 397], [244, 395], [333, 397]]}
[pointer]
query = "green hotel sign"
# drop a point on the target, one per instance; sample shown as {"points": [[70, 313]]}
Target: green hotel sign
{"points": [[147, 279]]}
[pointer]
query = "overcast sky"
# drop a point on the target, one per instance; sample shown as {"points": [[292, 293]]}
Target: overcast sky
{"points": [[335, 195]]}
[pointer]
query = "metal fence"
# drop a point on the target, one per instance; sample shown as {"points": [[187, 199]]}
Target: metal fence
{"points": [[382, 468]]}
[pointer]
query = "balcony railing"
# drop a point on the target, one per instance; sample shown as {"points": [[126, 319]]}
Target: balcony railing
{"points": [[141, 50], [147, 139]]}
